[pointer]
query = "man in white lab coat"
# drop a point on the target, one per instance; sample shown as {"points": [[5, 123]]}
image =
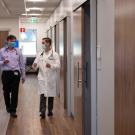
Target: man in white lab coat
{"points": [[47, 61]]}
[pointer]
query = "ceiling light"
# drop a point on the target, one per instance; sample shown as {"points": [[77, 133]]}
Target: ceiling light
{"points": [[35, 8], [36, 0], [32, 14]]}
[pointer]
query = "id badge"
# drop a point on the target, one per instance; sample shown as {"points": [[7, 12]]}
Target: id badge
{"points": [[16, 73], [51, 57]]}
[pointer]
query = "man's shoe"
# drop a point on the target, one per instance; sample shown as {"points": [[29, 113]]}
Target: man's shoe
{"points": [[42, 115], [13, 114], [8, 110], [50, 113]]}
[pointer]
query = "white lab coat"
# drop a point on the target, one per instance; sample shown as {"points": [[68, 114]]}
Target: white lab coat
{"points": [[47, 76]]}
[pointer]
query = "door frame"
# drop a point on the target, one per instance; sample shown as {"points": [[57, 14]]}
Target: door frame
{"points": [[86, 55], [93, 61], [69, 68], [93, 68], [69, 101], [65, 63], [57, 50], [66, 37]]}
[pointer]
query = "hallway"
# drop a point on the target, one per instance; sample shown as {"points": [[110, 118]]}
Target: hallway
{"points": [[29, 122]]}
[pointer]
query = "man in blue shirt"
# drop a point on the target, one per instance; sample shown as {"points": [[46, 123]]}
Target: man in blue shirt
{"points": [[13, 68]]}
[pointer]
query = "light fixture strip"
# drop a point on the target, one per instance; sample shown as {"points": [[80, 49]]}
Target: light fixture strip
{"points": [[35, 8], [5, 6], [25, 7], [36, 0], [32, 14]]}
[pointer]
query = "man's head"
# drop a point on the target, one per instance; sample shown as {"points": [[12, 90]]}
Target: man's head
{"points": [[47, 43], [11, 40]]}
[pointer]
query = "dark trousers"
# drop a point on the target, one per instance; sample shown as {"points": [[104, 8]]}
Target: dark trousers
{"points": [[43, 103], [11, 80]]}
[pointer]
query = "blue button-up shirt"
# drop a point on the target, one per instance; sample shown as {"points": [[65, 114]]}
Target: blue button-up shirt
{"points": [[16, 61]]}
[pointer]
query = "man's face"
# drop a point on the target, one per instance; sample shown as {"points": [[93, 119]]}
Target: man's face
{"points": [[11, 42], [47, 45], [43, 42]]}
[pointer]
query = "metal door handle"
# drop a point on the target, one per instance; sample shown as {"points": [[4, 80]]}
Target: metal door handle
{"points": [[78, 79], [86, 75]]}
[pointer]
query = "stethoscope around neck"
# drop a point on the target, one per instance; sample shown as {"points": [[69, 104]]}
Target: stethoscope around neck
{"points": [[50, 57]]}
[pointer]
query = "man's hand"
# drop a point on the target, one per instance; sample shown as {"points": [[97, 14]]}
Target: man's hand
{"points": [[48, 65], [23, 81], [34, 65], [6, 62]]}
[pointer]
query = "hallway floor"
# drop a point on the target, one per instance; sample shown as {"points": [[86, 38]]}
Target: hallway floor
{"points": [[29, 122]]}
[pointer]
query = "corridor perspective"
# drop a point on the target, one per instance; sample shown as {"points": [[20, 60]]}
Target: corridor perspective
{"points": [[28, 121], [67, 67]]}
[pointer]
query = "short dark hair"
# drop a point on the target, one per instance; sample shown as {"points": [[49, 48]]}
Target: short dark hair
{"points": [[11, 37], [48, 40]]}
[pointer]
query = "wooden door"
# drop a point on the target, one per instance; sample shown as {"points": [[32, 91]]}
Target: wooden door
{"points": [[3, 37], [124, 67], [77, 59], [63, 59]]}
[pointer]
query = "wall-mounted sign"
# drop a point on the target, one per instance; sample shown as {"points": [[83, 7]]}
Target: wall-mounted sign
{"points": [[22, 29]]}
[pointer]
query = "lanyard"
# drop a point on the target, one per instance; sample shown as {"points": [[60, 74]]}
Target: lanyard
{"points": [[6, 50]]}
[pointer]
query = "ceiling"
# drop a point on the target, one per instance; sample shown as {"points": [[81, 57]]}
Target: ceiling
{"points": [[29, 8]]}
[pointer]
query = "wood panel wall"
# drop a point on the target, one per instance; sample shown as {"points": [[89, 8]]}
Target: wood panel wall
{"points": [[3, 37], [124, 67]]}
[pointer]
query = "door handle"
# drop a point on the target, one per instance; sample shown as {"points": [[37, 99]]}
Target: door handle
{"points": [[86, 74], [78, 74]]}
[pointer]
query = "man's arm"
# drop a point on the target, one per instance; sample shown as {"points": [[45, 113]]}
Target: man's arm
{"points": [[35, 63], [1, 60], [22, 66], [56, 64]]}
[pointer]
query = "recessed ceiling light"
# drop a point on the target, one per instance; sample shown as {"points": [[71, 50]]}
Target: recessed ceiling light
{"points": [[32, 14], [35, 8], [36, 0]]}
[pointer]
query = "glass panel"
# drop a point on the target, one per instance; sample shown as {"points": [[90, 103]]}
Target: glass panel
{"points": [[28, 36], [28, 41], [77, 54]]}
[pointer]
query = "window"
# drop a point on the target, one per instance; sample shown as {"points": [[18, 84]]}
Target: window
{"points": [[28, 40]]}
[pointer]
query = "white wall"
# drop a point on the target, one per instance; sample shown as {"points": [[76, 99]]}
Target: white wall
{"points": [[40, 27], [10, 24], [105, 93], [64, 9], [13, 26]]}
